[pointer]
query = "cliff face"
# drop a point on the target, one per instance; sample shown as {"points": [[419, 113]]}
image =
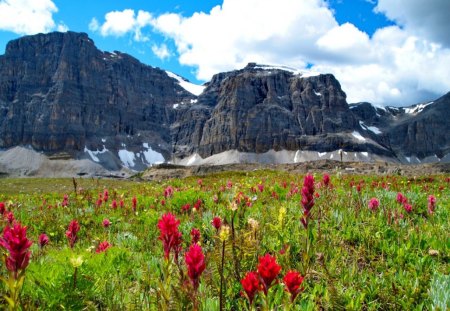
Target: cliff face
{"points": [[58, 92]]}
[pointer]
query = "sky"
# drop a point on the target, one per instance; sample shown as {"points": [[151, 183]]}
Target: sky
{"points": [[387, 52]]}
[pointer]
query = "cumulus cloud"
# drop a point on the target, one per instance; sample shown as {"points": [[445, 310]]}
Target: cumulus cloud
{"points": [[119, 23], [396, 66], [27, 16], [161, 51], [429, 18]]}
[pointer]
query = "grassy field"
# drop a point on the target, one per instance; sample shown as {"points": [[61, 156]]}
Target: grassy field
{"points": [[284, 242]]}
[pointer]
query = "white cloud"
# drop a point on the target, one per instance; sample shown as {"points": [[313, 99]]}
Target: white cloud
{"points": [[27, 16], [119, 23], [162, 51], [428, 18], [396, 66]]}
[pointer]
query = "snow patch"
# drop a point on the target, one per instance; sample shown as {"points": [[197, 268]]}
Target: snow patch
{"points": [[175, 106], [321, 154], [151, 156], [358, 136], [408, 159], [317, 93], [373, 129], [416, 109], [188, 86], [127, 157], [194, 101], [366, 154], [103, 140], [94, 154]]}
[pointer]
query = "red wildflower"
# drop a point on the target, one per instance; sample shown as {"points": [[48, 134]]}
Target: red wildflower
{"points": [[114, 204], [103, 246], [105, 195], [401, 198], [99, 202], [2, 208], [121, 204], [15, 241], [431, 204], [106, 223], [216, 222], [200, 182], [72, 231], [198, 204], [261, 187], [186, 207], [326, 180], [65, 201], [10, 217], [195, 262], [307, 198], [169, 234], [268, 270], [408, 207], [43, 240], [293, 280], [250, 283], [195, 235], [134, 203], [168, 192], [374, 204]]}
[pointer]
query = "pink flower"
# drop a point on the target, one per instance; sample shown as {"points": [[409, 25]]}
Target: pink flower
{"points": [[326, 180], [105, 195], [15, 241], [431, 204], [114, 204], [195, 235], [168, 192], [198, 204], [268, 270], [72, 232], [195, 262], [401, 198], [407, 207], [2, 208], [102, 247], [169, 234], [200, 182], [260, 187], [121, 204], [307, 198], [43, 240], [10, 217], [250, 284], [293, 280], [374, 204], [65, 201], [186, 207], [106, 223], [216, 222]]}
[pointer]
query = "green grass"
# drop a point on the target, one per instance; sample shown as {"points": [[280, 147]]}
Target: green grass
{"points": [[360, 259]]}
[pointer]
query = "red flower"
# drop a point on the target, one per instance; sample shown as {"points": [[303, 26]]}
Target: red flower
{"points": [[195, 262], [195, 235], [307, 198], [168, 192], [268, 270], [105, 195], [260, 187], [326, 180], [186, 207], [134, 203], [401, 198], [216, 222], [103, 246], [408, 207], [121, 204], [169, 234], [431, 204], [15, 241], [10, 217], [374, 204], [2, 208], [198, 204], [114, 204], [72, 231], [65, 201], [106, 223], [250, 284], [43, 240], [293, 280]]}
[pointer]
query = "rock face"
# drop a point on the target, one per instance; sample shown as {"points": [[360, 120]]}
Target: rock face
{"points": [[62, 96], [260, 108], [58, 92]]}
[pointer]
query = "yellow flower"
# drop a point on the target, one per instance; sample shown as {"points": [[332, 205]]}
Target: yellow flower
{"points": [[254, 224], [76, 261], [224, 233]]}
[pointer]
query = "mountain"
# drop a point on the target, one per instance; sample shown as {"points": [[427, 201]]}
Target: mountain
{"points": [[61, 96]]}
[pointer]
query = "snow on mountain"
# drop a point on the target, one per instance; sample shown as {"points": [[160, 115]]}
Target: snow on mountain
{"points": [[188, 86]]}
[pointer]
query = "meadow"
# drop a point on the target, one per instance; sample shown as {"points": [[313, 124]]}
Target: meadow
{"points": [[260, 240]]}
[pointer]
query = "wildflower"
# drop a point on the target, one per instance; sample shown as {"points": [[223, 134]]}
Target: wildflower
{"points": [[121, 204], [168, 192], [250, 284], [407, 207], [15, 241], [200, 182], [293, 280], [229, 184], [2, 208], [431, 204], [401, 198], [102, 247], [224, 233], [307, 198], [106, 223], [43, 240], [169, 234], [374, 204], [99, 202], [198, 204], [261, 187], [268, 270], [326, 180], [65, 201], [216, 222], [253, 223], [72, 231], [195, 235], [186, 207], [195, 262], [134, 203], [10, 217], [105, 195], [114, 204]]}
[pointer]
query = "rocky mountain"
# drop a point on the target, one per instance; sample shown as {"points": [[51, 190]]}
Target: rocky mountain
{"points": [[61, 96]]}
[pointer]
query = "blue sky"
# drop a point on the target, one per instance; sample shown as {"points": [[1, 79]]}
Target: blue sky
{"points": [[389, 52]]}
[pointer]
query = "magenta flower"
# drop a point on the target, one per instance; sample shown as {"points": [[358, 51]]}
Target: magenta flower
{"points": [[216, 222], [43, 240], [106, 223], [2, 208], [431, 204], [15, 241], [169, 234], [114, 204], [102, 247], [195, 235], [407, 207], [307, 198], [65, 201], [72, 232], [326, 180], [195, 262], [374, 204]]}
